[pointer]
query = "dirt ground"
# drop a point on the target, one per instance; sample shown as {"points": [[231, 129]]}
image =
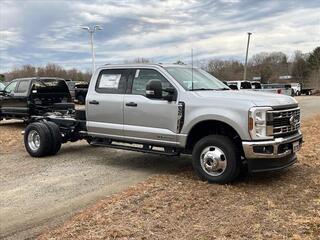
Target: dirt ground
{"points": [[284, 205], [38, 194]]}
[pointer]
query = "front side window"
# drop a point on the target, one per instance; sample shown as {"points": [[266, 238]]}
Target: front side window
{"points": [[195, 79], [11, 87], [143, 76]]}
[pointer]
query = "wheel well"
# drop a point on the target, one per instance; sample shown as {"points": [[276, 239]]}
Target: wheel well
{"points": [[210, 127]]}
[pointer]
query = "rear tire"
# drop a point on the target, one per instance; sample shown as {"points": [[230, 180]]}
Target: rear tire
{"points": [[37, 139], [55, 136], [216, 158]]}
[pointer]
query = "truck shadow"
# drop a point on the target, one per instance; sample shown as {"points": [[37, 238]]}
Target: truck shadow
{"points": [[127, 160], [157, 164]]}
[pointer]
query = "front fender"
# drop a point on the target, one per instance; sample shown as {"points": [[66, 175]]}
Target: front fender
{"points": [[235, 119]]}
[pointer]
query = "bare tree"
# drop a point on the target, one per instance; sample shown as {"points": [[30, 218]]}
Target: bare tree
{"points": [[50, 70], [225, 70]]}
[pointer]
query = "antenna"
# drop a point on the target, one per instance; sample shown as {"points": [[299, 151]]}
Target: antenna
{"points": [[192, 68]]}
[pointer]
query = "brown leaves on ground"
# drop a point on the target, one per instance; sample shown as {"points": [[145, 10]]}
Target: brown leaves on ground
{"points": [[10, 135], [178, 206]]}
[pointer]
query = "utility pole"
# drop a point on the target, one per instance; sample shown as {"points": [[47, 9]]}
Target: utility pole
{"points": [[192, 68], [246, 61], [91, 31]]}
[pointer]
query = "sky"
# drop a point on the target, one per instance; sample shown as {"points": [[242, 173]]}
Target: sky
{"points": [[38, 32]]}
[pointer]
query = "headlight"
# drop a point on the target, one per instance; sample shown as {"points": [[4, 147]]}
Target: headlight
{"points": [[257, 122]]}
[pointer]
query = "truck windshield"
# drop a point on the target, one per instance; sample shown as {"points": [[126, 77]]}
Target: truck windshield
{"points": [[196, 79], [1, 86]]}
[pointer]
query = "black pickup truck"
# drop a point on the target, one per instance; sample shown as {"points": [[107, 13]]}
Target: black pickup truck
{"points": [[25, 97], [81, 90]]}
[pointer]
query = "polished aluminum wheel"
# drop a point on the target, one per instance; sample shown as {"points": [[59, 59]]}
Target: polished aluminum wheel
{"points": [[213, 161], [34, 140]]}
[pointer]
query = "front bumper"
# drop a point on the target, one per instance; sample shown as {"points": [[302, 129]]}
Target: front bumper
{"points": [[276, 148], [266, 165]]}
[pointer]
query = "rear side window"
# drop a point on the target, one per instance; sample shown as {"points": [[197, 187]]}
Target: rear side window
{"points": [[22, 87], [112, 81], [245, 85], [50, 86], [256, 85]]}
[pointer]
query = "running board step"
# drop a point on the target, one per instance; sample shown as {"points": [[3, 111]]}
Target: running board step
{"points": [[136, 149]]}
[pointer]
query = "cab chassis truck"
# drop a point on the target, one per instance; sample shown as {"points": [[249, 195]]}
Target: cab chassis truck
{"points": [[173, 110]]}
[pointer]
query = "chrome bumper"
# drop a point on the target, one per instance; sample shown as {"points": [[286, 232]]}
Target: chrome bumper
{"points": [[248, 147]]}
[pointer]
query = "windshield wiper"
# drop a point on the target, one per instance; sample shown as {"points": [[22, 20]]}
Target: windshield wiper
{"points": [[202, 89]]}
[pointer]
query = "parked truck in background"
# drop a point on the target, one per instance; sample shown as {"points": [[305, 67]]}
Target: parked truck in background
{"points": [[25, 97], [81, 90], [257, 86], [299, 89], [280, 88], [173, 110]]}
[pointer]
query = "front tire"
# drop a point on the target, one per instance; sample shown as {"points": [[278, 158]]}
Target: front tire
{"points": [[216, 158]]}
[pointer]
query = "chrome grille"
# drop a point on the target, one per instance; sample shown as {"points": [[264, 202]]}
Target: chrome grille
{"points": [[284, 122]]}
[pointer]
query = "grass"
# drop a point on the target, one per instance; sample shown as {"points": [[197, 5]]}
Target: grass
{"points": [[282, 205]]}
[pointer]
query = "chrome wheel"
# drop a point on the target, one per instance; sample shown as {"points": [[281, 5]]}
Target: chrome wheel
{"points": [[34, 140], [213, 161]]}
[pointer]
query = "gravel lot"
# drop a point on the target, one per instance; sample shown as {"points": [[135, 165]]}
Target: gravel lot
{"points": [[36, 194]]}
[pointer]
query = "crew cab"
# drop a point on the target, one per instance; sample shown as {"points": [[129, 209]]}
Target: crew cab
{"points": [[25, 97], [176, 109]]}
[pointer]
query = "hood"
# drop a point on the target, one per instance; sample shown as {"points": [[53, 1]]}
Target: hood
{"points": [[257, 98]]}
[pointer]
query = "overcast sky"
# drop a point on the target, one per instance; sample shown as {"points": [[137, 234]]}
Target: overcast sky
{"points": [[41, 31]]}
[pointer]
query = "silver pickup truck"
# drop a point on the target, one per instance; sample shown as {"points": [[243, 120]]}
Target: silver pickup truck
{"points": [[173, 110]]}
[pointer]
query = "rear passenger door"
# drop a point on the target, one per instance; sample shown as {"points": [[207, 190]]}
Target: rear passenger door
{"points": [[21, 95], [149, 120], [104, 104]]}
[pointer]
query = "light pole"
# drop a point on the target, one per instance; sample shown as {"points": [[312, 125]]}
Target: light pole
{"points": [[91, 31], [246, 61]]}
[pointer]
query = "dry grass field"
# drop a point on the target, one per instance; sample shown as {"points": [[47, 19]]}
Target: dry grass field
{"points": [[10, 136], [282, 205]]}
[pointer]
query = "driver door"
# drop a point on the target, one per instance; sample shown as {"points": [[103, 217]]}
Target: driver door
{"points": [[149, 120], [8, 102]]}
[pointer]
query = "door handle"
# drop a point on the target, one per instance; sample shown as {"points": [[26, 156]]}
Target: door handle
{"points": [[131, 104], [94, 102]]}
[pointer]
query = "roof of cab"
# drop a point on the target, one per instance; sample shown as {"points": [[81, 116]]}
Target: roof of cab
{"points": [[137, 65], [37, 78]]}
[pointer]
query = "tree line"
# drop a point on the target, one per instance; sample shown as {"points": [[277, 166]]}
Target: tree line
{"points": [[50, 70], [268, 67]]}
